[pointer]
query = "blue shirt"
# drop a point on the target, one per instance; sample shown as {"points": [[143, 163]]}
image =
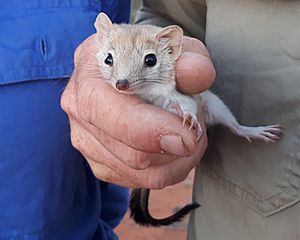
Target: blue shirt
{"points": [[47, 189]]}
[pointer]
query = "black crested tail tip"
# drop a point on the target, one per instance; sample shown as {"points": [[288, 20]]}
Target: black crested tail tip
{"points": [[136, 210], [140, 212]]}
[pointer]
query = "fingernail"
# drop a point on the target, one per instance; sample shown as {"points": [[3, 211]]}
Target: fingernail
{"points": [[173, 144]]}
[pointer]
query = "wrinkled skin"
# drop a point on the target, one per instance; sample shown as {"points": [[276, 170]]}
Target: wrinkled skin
{"points": [[125, 140]]}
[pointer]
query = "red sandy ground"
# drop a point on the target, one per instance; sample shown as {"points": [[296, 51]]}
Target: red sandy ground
{"points": [[162, 203]]}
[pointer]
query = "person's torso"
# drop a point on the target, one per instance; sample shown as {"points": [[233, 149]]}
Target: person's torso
{"points": [[38, 37], [47, 189], [255, 49]]}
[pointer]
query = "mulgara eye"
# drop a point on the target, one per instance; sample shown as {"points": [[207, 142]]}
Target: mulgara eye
{"points": [[109, 60], [150, 60]]}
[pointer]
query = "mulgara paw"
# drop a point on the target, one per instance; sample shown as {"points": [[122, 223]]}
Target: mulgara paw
{"points": [[187, 117]]}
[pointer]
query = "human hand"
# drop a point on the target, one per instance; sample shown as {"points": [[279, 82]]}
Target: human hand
{"points": [[195, 72], [123, 138]]}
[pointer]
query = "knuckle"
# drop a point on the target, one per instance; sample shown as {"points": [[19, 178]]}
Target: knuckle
{"points": [[67, 99], [65, 105], [76, 141], [198, 42], [78, 53], [195, 42]]}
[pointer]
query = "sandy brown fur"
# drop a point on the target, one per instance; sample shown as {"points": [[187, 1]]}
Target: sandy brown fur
{"points": [[128, 45]]}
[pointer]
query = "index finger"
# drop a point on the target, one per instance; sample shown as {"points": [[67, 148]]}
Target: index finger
{"points": [[130, 120]]}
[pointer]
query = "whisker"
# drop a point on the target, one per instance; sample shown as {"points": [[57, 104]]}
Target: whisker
{"points": [[162, 79], [136, 83]]}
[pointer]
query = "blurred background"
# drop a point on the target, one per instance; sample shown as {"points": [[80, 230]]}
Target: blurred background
{"points": [[135, 4], [162, 203]]}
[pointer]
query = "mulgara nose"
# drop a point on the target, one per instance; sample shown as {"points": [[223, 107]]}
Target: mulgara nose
{"points": [[122, 84]]}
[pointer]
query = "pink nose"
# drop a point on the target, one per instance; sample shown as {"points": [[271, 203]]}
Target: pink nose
{"points": [[122, 84]]}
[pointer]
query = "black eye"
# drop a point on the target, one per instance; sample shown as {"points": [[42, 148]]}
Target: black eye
{"points": [[150, 60], [109, 60]]}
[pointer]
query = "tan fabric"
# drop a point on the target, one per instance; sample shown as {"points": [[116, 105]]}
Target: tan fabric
{"points": [[190, 15], [247, 191]]}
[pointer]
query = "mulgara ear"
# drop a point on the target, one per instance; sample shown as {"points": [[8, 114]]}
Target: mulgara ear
{"points": [[173, 35], [103, 25]]}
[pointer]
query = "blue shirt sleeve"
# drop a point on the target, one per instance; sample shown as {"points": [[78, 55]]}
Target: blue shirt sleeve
{"points": [[47, 189], [116, 200]]}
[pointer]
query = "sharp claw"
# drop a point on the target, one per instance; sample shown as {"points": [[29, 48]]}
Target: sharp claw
{"points": [[267, 134], [198, 131], [275, 130], [269, 140], [192, 124], [276, 127], [184, 120]]}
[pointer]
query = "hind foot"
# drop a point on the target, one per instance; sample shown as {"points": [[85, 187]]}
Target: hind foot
{"points": [[267, 134]]}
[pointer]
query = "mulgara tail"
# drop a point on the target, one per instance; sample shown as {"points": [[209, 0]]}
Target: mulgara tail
{"points": [[140, 211]]}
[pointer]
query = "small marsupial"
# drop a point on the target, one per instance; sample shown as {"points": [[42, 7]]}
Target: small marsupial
{"points": [[140, 60]]}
